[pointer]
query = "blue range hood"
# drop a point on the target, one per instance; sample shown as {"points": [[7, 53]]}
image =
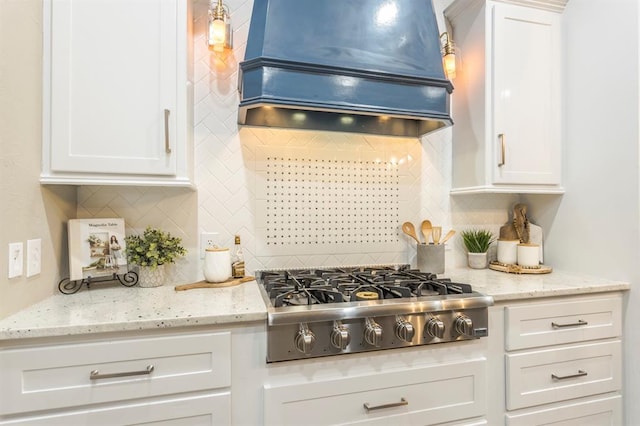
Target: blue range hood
{"points": [[364, 66]]}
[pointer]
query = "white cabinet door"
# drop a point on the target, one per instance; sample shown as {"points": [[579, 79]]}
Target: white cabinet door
{"points": [[424, 395], [526, 75], [598, 412], [507, 99], [196, 410], [562, 321], [116, 92], [551, 375], [68, 375]]}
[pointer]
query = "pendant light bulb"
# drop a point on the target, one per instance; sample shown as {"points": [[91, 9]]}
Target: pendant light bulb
{"points": [[219, 31], [448, 55], [449, 63]]}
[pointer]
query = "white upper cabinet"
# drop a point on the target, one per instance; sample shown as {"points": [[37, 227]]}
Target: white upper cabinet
{"points": [[116, 92], [507, 98]]}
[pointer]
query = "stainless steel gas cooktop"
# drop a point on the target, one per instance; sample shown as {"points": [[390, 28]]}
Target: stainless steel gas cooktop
{"points": [[338, 310]]}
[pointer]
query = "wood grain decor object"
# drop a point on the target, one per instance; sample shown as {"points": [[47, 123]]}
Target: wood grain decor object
{"points": [[517, 269], [204, 284]]}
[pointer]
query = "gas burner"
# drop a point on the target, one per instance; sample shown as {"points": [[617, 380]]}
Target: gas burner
{"points": [[294, 296]]}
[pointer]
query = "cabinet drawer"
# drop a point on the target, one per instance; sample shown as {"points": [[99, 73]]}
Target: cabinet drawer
{"points": [[200, 410], [599, 412], [576, 320], [424, 395], [39, 378], [545, 376]]}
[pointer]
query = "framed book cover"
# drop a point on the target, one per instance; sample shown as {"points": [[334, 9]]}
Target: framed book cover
{"points": [[96, 248]]}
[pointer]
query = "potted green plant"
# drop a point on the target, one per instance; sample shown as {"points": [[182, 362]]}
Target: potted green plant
{"points": [[477, 242], [151, 251]]}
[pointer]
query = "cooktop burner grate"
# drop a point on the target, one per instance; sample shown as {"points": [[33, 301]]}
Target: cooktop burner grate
{"points": [[343, 284]]}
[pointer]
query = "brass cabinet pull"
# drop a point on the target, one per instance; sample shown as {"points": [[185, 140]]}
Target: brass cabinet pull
{"points": [[383, 406], [502, 150], [572, 324], [95, 374], [167, 148], [580, 373]]}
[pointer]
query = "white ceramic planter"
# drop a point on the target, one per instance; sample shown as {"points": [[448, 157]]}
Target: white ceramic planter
{"points": [[478, 260], [151, 277]]}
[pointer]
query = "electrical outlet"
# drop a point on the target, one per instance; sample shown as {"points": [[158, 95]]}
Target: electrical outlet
{"points": [[16, 259], [34, 257], [207, 239]]}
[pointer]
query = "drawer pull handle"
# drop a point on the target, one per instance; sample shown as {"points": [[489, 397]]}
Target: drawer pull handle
{"points": [[571, 376], [95, 374], [573, 324], [383, 406]]}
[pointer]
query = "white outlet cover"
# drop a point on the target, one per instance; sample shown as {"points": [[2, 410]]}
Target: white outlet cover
{"points": [[34, 257], [16, 259]]}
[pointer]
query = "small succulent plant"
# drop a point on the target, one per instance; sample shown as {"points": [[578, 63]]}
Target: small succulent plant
{"points": [[477, 240]]}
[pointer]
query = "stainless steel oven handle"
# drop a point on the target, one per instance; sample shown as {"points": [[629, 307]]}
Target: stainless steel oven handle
{"points": [[573, 324], [580, 373], [402, 402], [95, 374]]}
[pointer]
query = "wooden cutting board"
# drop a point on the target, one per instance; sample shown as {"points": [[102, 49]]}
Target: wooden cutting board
{"points": [[204, 284], [516, 269]]}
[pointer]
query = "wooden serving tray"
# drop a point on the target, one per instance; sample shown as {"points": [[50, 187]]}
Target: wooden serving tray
{"points": [[204, 284], [517, 269]]}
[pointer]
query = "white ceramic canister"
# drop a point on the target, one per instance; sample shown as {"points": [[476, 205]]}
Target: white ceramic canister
{"points": [[217, 265], [508, 251], [529, 255]]}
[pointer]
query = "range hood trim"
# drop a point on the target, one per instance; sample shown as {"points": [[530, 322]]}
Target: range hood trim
{"points": [[342, 71]]}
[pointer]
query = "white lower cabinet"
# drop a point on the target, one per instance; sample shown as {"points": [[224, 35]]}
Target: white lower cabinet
{"points": [[575, 378], [176, 379], [545, 376], [596, 412], [444, 393], [200, 410]]}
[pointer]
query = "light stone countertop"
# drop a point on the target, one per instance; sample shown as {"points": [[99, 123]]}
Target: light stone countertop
{"points": [[505, 286], [117, 308]]}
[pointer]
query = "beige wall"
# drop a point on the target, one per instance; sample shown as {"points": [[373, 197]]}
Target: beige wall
{"points": [[27, 210]]}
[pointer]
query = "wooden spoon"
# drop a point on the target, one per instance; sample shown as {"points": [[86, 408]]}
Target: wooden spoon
{"points": [[446, 237], [410, 230], [436, 232], [426, 230]]}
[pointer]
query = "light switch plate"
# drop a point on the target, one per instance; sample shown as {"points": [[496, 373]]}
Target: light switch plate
{"points": [[16, 259], [34, 257]]}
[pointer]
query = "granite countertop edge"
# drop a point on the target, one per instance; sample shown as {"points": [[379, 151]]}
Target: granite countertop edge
{"points": [[123, 309]]}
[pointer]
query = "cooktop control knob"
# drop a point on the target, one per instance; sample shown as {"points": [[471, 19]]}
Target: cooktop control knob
{"points": [[464, 325], [340, 336], [373, 333], [404, 330], [435, 328], [305, 339]]}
